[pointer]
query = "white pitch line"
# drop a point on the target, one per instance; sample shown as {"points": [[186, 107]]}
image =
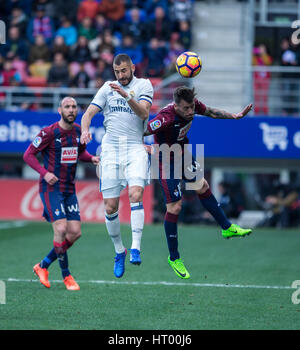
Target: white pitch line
{"points": [[13, 224], [163, 283]]}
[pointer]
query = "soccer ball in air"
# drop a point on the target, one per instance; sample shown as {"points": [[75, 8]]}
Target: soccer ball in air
{"points": [[188, 64]]}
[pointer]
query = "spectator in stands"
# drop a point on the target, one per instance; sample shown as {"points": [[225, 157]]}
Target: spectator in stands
{"points": [[87, 29], [185, 34], [46, 4], [40, 24], [155, 54], [103, 42], [151, 5], [6, 7], [81, 52], [39, 69], [113, 10], [181, 10], [39, 50], [285, 206], [58, 74], [129, 4], [288, 58], [261, 79], [228, 201], [103, 71], [67, 31], [65, 8], [101, 23], [18, 19], [160, 27], [106, 49], [9, 76], [81, 79], [175, 49], [87, 8], [81, 55], [135, 25], [59, 45], [134, 51], [15, 47]]}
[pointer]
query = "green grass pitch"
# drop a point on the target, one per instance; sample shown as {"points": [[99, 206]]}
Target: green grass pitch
{"points": [[242, 283]]}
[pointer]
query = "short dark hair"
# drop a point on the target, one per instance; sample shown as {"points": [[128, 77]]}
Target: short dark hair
{"points": [[184, 93], [122, 57]]}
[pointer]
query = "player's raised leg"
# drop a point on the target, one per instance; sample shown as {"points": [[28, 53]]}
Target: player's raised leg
{"points": [[113, 228], [137, 219], [210, 203]]}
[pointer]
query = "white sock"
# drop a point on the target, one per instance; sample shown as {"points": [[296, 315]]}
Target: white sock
{"points": [[113, 227], [137, 224]]}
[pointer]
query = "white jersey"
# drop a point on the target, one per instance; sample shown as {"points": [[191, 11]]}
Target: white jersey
{"points": [[119, 119]]}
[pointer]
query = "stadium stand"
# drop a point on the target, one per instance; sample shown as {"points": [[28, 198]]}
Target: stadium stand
{"points": [[93, 30]]}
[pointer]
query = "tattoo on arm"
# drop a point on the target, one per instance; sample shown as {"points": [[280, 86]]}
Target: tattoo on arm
{"points": [[217, 113]]}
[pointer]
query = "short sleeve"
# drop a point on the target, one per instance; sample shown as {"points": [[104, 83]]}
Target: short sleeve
{"points": [[41, 141], [159, 123], [146, 92], [99, 99]]}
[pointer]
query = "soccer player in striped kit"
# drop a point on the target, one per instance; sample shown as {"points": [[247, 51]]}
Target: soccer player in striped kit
{"points": [[60, 147], [170, 127]]}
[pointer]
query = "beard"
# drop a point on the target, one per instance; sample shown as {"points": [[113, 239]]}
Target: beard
{"points": [[127, 80], [67, 120]]}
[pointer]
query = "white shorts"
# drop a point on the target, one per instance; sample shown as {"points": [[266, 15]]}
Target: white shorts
{"points": [[119, 168]]}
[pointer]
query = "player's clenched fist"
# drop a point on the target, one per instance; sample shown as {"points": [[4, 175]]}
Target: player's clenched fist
{"points": [[50, 178]]}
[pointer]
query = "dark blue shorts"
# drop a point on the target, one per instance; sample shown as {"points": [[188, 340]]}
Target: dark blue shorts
{"points": [[59, 205], [171, 186]]}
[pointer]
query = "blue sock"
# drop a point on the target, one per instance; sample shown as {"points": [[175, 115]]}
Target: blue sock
{"points": [[210, 203], [64, 264], [48, 260], [170, 225], [62, 256]]}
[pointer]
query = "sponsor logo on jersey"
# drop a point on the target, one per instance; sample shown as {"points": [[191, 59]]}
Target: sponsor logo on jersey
{"points": [[69, 154], [37, 141], [155, 125]]}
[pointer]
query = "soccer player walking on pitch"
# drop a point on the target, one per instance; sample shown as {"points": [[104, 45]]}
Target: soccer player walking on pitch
{"points": [[125, 104], [60, 147], [170, 127]]}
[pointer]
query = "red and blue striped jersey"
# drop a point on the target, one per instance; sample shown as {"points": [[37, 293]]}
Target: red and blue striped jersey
{"points": [[169, 128], [60, 150]]}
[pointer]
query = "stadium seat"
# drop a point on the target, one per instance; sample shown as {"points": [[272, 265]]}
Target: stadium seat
{"points": [[157, 95], [35, 81]]}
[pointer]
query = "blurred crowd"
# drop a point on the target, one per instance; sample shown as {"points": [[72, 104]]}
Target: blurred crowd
{"points": [[289, 56], [71, 43], [278, 202]]}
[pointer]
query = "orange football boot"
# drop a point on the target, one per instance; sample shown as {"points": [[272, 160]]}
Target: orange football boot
{"points": [[70, 283], [42, 274]]}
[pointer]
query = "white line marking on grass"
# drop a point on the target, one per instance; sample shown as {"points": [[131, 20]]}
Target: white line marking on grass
{"points": [[163, 283], [12, 224]]}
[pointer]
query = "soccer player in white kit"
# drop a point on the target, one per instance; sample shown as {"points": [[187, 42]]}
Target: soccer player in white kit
{"points": [[125, 104]]}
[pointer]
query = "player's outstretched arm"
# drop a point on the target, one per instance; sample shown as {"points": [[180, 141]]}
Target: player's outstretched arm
{"points": [[220, 114], [87, 117]]}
